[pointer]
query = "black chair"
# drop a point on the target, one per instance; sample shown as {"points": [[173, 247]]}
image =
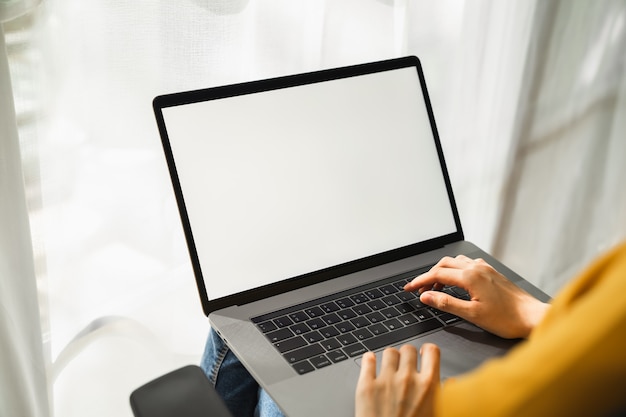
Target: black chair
{"points": [[184, 392]]}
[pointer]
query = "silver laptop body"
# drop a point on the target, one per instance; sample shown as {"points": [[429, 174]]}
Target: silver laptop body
{"points": [[298, 188]]}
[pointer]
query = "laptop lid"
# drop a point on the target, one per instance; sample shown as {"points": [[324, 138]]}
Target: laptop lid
{"points": [[286, 182]]}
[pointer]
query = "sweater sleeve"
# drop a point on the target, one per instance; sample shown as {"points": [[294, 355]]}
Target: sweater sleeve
{"points": [[574, 362]]}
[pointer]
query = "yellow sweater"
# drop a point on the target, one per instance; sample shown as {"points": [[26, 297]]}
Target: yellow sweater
{"points": [[573, 363]]}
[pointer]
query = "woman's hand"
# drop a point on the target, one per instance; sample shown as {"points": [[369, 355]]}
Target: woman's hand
{"points": [[399, 390], [496, 304]]}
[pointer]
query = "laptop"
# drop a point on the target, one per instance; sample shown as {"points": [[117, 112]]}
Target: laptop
{"points": [[307, 202]]}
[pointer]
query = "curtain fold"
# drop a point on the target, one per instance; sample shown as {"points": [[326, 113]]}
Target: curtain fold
{"points": [[563, 201], [23, 381], [486, 82], [10, 9]]}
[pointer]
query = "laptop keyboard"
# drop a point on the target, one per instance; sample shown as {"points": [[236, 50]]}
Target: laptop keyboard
{"points": [[331, 329]]}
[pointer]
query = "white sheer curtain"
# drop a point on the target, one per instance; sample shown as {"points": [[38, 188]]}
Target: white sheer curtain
{"points": [[117, 296], [23, 388]]}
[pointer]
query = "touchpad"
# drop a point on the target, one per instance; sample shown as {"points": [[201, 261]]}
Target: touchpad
{"points": [[463, 348]]}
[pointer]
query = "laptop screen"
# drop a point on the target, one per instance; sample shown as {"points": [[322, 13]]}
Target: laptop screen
{"points": [[285, 181]]}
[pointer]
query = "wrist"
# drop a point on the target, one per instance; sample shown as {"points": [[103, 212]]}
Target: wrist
{"points": [[534, 314]]}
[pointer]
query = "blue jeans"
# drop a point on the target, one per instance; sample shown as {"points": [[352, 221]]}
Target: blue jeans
{"points": [[241, 393]]}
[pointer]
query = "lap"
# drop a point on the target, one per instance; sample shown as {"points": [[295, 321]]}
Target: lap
{"points": [[241, 393]]}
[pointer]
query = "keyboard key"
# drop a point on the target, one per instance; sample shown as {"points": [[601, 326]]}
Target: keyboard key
{"points": [[375, 317], [290, 344], [355, 349], [422, 314], [374, 293], [405, 308], [376, 304], [362, 309], [315, 324], [331, 344], [331, 318], [329, 307], [313, 337], [362, 334], [405, 296], [360, 322], [391, 338], [434, 311], [347, 314], [346, 339], [337, 356], [449, 318], [330, 331], [300, 328], [314, 312], [304, 353], [408, 319], [400, 284], [345, 327], [391, 300], [283, 321], [359, 298], [299, 316], [389, 289], [377, 329], [320, 361], [345, 303], [303, 367], [393, 324], [417, 303], [280, 334], [267, 326], [460, 293], [390, 312]]}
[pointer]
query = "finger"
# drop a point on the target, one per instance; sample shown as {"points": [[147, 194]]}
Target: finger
{"points": [[408, 359], [464, 258], [408, 356], [460, 261], [367, 378], [368, 367], [444, 302], [430, 361], [436, 275], [448, 271], [389, 363], [447, 268]]}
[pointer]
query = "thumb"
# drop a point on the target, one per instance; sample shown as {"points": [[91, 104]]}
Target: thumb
{"points": [[444, 302]]}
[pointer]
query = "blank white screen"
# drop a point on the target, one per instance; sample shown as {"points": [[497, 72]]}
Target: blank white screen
{"points": [[290, 181]]}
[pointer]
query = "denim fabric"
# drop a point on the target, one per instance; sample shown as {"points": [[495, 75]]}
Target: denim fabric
{"points": [[240, 392]]}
